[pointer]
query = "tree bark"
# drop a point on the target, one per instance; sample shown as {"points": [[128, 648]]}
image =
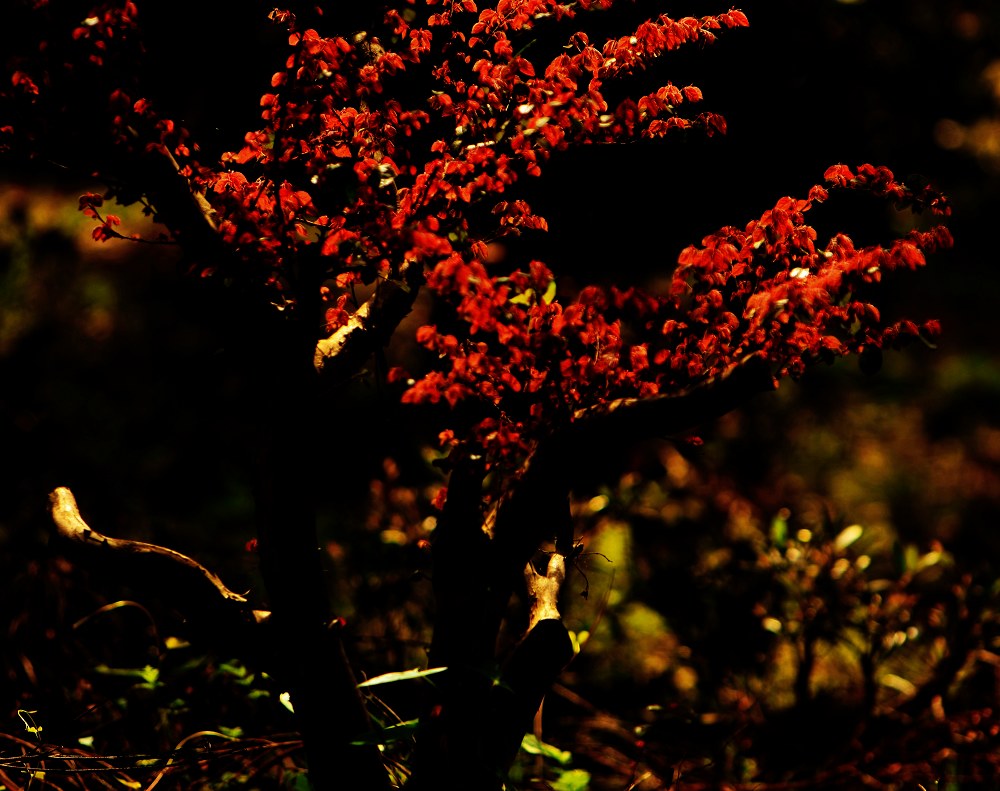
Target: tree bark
{"points": [[472, 731], [276, 352], [323, 689]]}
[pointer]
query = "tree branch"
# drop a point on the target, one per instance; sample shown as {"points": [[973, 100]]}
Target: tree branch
{"points": [[548, 474], [341, 354], [477, 562], [71, 526], [544, 589]]}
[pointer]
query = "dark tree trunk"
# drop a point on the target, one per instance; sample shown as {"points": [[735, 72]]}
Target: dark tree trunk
{"points": [[324, 693]]}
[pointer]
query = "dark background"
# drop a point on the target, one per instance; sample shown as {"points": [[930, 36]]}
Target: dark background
{"points": [[113, 383]]}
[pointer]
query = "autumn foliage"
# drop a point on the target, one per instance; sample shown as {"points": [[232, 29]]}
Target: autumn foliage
{"points": [[393, 156], [387, 164]]}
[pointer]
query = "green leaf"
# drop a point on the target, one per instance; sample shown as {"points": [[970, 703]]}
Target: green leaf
{"points": [[233, 668], [148, 674], [572, 780], [531, 745], [402, 675], [29, 722], [550, 293], [779, 531], [298, 782]]}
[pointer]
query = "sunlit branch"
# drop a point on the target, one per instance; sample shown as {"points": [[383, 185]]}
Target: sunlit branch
{"points": [[72, 527], [538, 509], [544, 589], [371, 325], [197, 200]]}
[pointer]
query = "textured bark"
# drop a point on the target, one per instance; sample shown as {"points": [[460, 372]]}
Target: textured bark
{"points": [[277, 354], [475, 724], [368, 328], [328, 704]]}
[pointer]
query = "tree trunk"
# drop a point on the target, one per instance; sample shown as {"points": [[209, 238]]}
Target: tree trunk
{"points": [[323, 689]]}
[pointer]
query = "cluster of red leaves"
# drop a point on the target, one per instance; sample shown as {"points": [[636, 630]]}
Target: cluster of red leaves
{"points": [[349, 159], [381, 152], [90, 205], [766, 289], [769, 289], [380, 183], [108, 23]]}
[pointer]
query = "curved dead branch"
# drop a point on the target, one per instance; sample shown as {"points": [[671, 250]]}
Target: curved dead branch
{"points": [[71, 526]]}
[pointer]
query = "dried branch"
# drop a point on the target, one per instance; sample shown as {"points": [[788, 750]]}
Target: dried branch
{"points": [[176, 203], [198, 211], [71, 526]]}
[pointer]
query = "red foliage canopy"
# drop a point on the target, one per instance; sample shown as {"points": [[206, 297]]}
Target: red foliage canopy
{"points": [[391, 156]]}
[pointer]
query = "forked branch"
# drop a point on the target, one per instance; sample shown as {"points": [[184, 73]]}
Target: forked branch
{"points": [[547, 477]]}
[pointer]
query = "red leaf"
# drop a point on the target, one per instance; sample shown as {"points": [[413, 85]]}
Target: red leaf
{"points": [[692, 94], [838, 175]]}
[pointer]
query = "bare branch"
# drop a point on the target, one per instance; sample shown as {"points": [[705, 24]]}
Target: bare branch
{"points": [[198, 202], [175, 202], [71, 526], [630, 419]]}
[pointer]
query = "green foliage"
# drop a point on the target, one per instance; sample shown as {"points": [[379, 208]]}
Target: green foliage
{"points": [[540, 760], [533, 746], [571, 780], [402, 675]]}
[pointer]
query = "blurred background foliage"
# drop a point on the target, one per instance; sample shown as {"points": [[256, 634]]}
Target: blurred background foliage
{"points": [[808, 599]]}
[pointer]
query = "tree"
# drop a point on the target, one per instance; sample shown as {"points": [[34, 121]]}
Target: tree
{"points": [[389, 167]]}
